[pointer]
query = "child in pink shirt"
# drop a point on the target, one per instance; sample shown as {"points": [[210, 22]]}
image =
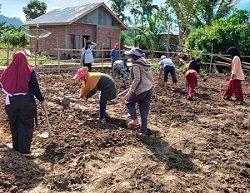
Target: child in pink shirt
{"points": [[237, 75]]}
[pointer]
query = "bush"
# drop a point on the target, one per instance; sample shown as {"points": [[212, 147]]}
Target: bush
{"points": [[223, 33]]}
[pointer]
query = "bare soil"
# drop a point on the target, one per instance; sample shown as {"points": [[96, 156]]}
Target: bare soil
{"points": [[202, 145]]}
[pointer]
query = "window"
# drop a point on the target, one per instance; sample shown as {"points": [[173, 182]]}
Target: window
{"points": [[75, 40]]}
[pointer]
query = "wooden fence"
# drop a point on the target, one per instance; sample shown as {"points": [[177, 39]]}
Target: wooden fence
{"points": [[72, 57]]}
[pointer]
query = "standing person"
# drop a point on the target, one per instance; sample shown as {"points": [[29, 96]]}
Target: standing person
{"points": [[87, 56], [237, 75], [94, 81], [167, 66], [191, 78], [19, 83], [115, 54], [140, 91]]}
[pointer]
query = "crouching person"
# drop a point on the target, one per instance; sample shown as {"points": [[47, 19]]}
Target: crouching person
{"points": [[94, 81], [120, 71], [167, 66], [191, 79]]}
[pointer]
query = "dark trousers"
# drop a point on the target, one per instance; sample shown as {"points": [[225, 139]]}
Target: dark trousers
{"points": [[21, 114], [234, 87], [171, 70], [144, 104], [89, 65]]}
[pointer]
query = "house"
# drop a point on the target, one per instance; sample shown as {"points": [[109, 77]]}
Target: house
{"points": [[70, 26]]}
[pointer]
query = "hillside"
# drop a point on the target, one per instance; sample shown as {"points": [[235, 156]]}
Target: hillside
{"points": [[13, 21]]}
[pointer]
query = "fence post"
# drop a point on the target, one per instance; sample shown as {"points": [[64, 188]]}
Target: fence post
{"points": [[102, 56], [8, 51], [211, 59], [58, 56]]}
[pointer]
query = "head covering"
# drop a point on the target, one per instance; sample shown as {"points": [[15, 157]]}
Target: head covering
{"points": [[233, 51], [90, 80], [163, 57], [134, 53], [16, 77], [116, 45], [81, 73], [198, 60]]}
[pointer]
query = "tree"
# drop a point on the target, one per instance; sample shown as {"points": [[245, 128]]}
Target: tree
{"points": [[194, 13], [210, 10], [223, 33], [118, 7], [14, 36], [143, 12], [34, 9]]}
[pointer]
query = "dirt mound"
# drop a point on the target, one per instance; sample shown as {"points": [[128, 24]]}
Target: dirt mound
{"points": [[196, 146]]}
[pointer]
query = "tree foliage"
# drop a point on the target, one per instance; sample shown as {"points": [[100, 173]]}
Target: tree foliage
{"points": [[223, 33], [34, 9], [118, 7], [14, 36]]}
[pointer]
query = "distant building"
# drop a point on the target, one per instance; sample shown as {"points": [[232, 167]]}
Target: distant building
{"points": [[69, 26]]}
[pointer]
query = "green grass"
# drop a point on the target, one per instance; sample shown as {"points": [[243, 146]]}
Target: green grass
{"points": [[41, 59], [156, 66]]}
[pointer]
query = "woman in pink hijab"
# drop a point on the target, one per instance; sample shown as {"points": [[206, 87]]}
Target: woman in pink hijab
{"points": [[19, 83]]}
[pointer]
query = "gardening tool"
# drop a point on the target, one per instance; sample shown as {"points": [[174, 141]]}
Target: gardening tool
{"points": [[49, 133], [66, 100], [123, 92]]}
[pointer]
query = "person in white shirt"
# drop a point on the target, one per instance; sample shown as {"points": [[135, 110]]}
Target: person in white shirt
{"points": [[87, 55], [167, 66]]}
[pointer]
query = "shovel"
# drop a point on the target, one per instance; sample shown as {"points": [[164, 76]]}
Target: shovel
{"points": [[66, 101], [49, 133]]}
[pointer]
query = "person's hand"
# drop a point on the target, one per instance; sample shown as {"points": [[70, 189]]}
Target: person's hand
{"points": [[44, 105], [127, 96]]}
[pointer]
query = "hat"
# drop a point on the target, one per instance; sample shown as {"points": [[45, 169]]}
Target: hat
{"points": [[116, 44], [163, 57], [80, 73], [134, 51]]}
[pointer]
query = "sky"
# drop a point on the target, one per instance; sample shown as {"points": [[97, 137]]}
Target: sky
{"points": [[13, 8]]}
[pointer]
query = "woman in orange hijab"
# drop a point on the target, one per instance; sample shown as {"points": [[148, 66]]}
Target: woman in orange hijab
{"points": [[94, 81]]}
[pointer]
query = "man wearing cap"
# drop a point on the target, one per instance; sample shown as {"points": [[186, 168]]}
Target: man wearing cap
{"points": [[94, 81], [115, 53], [140, 91], [167, 66]]}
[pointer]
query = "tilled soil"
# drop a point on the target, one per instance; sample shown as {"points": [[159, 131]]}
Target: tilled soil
{"points": [[199, 145]]}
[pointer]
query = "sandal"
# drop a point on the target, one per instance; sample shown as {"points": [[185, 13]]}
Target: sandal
{"points": [[238, 102], [134, 124]]}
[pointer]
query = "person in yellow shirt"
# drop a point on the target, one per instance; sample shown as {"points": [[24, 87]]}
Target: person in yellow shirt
{"points": [[237, 75], [93, 82]]}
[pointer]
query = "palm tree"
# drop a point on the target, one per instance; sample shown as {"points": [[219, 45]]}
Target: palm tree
{"points": [[210, 10]]}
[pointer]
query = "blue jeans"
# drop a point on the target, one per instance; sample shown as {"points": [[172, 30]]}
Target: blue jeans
{"points": [[143, 100]]}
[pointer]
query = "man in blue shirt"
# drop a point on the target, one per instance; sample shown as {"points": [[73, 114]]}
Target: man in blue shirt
{"points": [[115, 53]]}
